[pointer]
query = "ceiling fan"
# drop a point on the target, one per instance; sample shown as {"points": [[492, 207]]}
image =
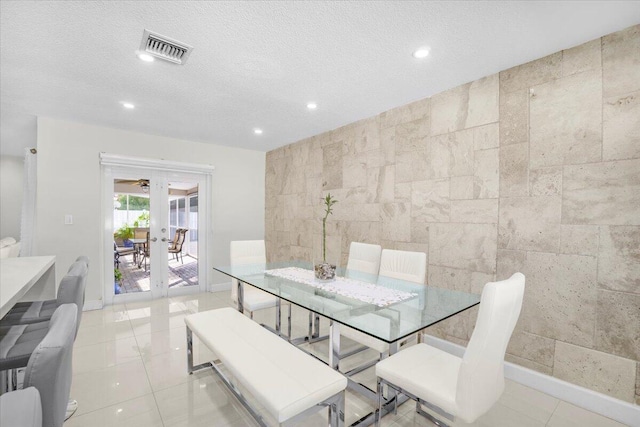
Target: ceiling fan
{"points": [[142, 183]]}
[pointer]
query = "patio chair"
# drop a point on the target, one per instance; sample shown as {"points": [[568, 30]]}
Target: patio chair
{"points": [[176, 249], [119, 251]]}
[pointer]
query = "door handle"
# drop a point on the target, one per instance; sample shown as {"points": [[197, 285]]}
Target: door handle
{"points": [[154, 239]]}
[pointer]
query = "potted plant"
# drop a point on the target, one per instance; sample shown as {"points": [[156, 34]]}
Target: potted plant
{"points": [[124, 233], [117, 278], [325, 270]]}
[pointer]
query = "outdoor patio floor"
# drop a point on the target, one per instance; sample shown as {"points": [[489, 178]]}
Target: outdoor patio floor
{"points": [[136, 279]]}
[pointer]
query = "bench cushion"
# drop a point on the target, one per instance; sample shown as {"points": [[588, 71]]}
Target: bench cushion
{"points": [[283, 378], [21, 408]]}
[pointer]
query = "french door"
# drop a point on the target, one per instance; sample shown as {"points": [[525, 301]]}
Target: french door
{"points": [[155, 233]]}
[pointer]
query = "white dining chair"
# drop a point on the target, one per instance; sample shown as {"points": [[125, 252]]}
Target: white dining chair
{"points": [[364, 258], [459, 387], [402, 265], [246, 252]]}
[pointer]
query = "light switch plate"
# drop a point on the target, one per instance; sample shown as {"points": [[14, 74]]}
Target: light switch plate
{"points": [[68, 219]]}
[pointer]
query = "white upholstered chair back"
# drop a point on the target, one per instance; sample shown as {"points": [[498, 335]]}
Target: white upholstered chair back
{"points": [[73, 285], [481, 375], [49, 367], [403, 265], [364, 257], [245, 252]]}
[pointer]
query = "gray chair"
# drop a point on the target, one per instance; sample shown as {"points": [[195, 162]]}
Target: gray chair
{"points": [[21, 408], [49, 367], [71, 291]]}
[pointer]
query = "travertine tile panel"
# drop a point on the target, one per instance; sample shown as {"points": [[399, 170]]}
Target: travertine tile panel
{"points": [[530, 223], [510, 262], [596, 370], [418, 110], [412, 136], [332, 166], [388, 145], [465, 246], [367, 135], [385, 183], [396, 221], [461, 153], [545, 181], [483, 105], [621, 127], [411, 165], [361, 231], [547, 370], [481, 211], [411, 246], [601, 193], [458, 279], [579, 239], [560, 297], [486, 180], [354, 172], [439, 156], [402, 192], [581, 58], [419, 232], [532, 347], [430, 201], [356, 195], [450, 155], [461, 187], [619, 259], [514, 170], [487, 136], [514, 117], [356, 212], [621, 62], [449, 110], [618, 324], [565, 117], [532, 73]]}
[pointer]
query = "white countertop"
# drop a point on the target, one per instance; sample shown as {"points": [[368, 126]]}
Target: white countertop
{"points": [[18, 275]]}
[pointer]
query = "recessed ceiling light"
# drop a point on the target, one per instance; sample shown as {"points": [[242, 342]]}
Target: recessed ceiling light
{"points": [[146, 57], [423, 52], [128, 105], [257, 131], [312, 106]]}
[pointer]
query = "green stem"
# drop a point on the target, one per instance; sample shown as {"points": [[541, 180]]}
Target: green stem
{"points": [[324, 239]]}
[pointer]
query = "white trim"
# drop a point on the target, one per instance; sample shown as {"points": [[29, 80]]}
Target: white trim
{"points": [[93, 305], [616, 409], [108, 159]]}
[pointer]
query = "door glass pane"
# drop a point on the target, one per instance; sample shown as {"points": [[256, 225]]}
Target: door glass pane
{"points": [[193, 226], [131, 216], [183, 254]]}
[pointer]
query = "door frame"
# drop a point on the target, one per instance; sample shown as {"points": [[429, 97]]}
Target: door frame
{"points": [[200, 173]]}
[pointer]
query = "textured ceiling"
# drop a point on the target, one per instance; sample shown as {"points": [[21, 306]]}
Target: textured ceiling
{"points": [[257, 64]]}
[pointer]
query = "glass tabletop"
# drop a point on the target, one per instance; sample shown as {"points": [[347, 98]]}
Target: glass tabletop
{"points": [[423, 306]]}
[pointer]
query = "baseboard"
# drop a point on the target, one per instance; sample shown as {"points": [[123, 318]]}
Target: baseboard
{"points": [[616, 409], [218, 287], [93, 305]]}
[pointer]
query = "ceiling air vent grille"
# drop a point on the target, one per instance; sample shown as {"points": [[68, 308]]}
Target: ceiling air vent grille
{"points": [[165, 48]]}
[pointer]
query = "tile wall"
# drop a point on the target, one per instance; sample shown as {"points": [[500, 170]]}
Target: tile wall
{"points": [[535, 169]]}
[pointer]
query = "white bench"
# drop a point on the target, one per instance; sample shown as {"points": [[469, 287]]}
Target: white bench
{"points": [[286, 381]]}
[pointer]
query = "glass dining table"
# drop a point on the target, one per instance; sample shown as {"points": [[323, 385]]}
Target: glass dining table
{"points": [[387, 309]]}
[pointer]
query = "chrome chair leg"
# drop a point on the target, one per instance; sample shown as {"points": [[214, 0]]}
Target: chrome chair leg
{"points": [[378, 415]]}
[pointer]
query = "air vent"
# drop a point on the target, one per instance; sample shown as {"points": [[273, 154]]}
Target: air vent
{"points": [[165, 48]]}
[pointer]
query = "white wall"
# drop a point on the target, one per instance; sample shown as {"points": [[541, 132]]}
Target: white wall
{"points": [[11, 170], [69, 182]]}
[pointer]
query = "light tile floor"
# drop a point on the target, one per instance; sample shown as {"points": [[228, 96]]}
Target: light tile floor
{"points": [[130, 369]]}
